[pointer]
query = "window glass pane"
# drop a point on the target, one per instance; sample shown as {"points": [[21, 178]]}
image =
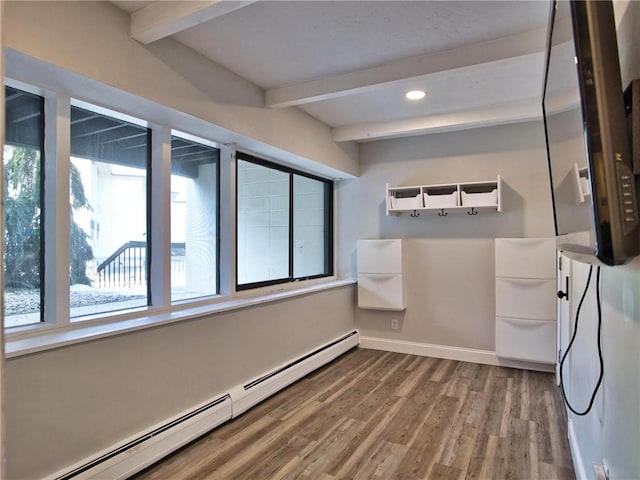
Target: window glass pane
{"points": [[23, 235], [108, 243], [194, 219], [263, 223], [310, 229]]}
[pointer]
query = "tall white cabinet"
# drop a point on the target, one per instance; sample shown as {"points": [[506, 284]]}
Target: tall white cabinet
{"points": [[526, 299], [381, 274]]}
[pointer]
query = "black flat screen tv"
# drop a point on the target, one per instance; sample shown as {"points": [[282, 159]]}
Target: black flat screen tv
{"points": [[588, 146]]}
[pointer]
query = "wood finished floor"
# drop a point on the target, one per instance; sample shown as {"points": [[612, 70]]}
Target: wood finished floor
{"points": [[381, 415]]}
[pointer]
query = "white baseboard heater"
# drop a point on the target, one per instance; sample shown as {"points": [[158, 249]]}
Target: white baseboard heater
{"points": [[142, 450]]}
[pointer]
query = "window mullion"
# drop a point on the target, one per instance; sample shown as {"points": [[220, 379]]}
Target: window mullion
{"points": [[291, 226], [160, 242], [57, 158], [227, 228]]}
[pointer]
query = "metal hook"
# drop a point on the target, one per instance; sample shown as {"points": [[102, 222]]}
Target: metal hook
{"points": [[442, 213], [472, 212], [415, 214]]}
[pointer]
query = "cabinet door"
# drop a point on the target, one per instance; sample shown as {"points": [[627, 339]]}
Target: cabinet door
{"points": [[528, 340], [381, 291], [526, 257], [380, 256], [526, 298]]}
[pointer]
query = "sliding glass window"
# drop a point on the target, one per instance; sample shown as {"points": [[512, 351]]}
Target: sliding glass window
{"points": [[23, 261], [194, 218], [109, 249], [284, 224], [312, 219]]}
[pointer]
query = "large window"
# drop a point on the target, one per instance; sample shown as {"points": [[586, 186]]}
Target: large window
{"points": [[194, 218], [284, 226], [94, 233], [23, 194], [109, 249]]}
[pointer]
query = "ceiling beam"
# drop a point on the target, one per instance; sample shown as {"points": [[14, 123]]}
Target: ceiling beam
{"points": [[406, 68], [513, 112], [161, 19]]}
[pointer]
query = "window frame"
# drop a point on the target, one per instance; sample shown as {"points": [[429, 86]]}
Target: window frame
{"points": [[57, 328], [142, 124], [177, 133], [27, 89], [328, 219]]}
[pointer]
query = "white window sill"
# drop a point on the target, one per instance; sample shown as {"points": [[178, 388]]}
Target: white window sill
{"points": [[46, 338]]}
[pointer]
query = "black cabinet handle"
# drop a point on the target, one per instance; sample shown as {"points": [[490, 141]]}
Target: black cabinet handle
{"points": [[565, 294]]}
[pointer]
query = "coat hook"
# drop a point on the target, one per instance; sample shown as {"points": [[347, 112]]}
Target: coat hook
{"points": [[442, 213], [472, 212], [415, 214]]}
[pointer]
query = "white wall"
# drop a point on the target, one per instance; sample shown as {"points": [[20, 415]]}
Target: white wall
{"points": [[611, 431], [451, 279], [65, 404]]}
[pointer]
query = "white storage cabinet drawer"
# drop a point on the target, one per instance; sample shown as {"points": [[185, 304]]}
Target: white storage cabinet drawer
{"points": [[380, 256], [479, 199], [529, 340], [526, 257], [406, 203], [526, 298], [381, 291], [441, 200]]}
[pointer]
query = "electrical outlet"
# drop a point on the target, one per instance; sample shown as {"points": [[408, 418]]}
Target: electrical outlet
{"points": [[394, 324]]}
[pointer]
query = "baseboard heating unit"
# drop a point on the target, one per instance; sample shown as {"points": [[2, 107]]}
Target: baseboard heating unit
{"points": [[247, 395], [140, 451]]}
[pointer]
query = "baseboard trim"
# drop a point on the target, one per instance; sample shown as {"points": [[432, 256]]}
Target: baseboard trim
{"points": [[124, 459], [485, 357], [576, 454]]}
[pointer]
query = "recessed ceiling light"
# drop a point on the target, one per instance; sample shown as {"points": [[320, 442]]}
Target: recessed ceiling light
{"points": [[415, 94]]}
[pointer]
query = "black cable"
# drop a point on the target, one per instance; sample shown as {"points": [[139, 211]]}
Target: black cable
{"points": [[573, 337]]}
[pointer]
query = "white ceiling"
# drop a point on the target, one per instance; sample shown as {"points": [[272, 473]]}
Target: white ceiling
{"points": [[349, 63]]}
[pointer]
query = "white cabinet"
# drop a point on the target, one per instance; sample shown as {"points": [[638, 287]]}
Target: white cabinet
{"points": [[470, 197], [380, 274], [380, 291], [525, 299], [526, 257], [528, 340], [380, 256]]}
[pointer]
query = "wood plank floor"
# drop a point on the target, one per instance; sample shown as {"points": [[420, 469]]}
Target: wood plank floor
{"points": [[381, 415]]}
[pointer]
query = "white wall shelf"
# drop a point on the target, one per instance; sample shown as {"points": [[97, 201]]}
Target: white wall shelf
{"points": [[469, 197]]}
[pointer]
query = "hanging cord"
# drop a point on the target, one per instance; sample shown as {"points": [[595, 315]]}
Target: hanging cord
{"points": [[573, 337]]}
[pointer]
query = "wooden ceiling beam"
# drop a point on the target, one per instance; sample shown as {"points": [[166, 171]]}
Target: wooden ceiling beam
{"points": [[514, 112], [162, 19], [367, 79]]}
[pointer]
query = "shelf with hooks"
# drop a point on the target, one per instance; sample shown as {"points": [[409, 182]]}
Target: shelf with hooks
{"points": [[469, 197]]}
